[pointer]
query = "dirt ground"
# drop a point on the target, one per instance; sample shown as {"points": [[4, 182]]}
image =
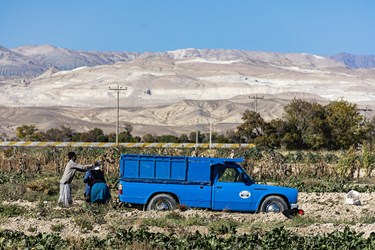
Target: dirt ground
{"points": [[324, 213]]}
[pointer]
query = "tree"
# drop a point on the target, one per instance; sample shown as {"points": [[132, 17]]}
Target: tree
{"points": [[168, 138], [64, 134], [94, 135], [345, 124], [252, 127], [29, 133], [232, 137], [192, 137], [296, 115], [184, 138], [124, 136], [128, 128], [148, 138], [306, 125], [318, 132]]}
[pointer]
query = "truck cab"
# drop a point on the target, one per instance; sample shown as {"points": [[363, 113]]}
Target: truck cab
{"points": [[164, 182]]}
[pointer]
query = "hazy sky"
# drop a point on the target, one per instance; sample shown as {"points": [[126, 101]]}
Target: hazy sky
{"points": [[323, 27]]}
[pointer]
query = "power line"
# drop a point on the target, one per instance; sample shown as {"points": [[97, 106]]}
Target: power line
{"points": [[118, 89]]}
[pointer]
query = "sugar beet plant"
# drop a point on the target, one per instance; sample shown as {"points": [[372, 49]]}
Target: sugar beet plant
{"points": [[278, 238]]}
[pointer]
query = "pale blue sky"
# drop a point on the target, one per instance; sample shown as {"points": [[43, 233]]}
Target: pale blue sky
{"points": [[323, 27]]}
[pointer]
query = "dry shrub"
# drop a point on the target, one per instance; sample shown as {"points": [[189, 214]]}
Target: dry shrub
{"points": [[48, 185]]}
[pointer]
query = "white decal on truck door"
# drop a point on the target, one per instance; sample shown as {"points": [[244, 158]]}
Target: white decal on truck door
{"points": [[245, 194]]}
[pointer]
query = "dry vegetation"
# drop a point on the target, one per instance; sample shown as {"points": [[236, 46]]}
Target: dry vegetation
{"points": [[29, 192]]}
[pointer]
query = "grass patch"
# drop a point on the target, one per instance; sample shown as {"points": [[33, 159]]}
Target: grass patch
{"points": [[224, 226], [47, 185], [302, 221], [195, 220], [7, 211], [156, 222], [86, 217], [85, 222], [57, 227], [174, 216]]}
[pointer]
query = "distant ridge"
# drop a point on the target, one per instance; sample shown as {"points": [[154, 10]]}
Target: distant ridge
{"points": [[171, 92], [66, 59], [33, 60], [15, 64], [355, 61]]}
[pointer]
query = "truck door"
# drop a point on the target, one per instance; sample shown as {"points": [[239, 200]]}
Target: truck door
{"points": [[230, 191]]}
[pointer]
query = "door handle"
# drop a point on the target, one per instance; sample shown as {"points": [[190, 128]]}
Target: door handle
{"points": [[219, 187]]}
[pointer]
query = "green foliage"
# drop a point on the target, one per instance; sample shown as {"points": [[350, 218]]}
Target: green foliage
{"points": [[47, 185], [57, 227], [62, 134], [306, 125], [18, 240], [252, 127], [221, 227], [344, 122], [7, 211], [29, 133], [88, 216], [277, 238]]}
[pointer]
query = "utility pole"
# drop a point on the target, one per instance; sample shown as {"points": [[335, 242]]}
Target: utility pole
{"points": [[118, 89], [210, 130], [211, 124], [196, 134], [256, 98], [199, 113]]}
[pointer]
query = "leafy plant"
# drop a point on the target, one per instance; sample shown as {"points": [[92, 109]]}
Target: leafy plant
{"points": [[11, 210], [57, 227]]}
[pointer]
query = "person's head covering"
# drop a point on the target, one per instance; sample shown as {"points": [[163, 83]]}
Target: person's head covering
{"points": [[97, 165], [71, 155]]}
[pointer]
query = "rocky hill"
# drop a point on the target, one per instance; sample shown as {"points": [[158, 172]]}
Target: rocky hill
{"points": [[174, 91], [355, 61], [13, 64]]}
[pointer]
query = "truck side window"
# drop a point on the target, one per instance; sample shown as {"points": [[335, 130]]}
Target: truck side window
{"points": [[228, 175]]}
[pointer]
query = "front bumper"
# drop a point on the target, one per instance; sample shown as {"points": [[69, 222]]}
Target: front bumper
{"points": [[294, 206]]}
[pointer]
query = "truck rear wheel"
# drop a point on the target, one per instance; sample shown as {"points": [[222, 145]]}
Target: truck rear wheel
{"points": [[274, 204], [162, 202]]}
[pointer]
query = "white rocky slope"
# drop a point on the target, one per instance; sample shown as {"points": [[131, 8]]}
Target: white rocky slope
{"points": [[15, 64], [66, 59], [165, 91]]}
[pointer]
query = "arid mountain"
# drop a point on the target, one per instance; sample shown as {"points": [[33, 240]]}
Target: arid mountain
{"points": [[355, 61], [13, 64], [175, 92], [65, 59]]}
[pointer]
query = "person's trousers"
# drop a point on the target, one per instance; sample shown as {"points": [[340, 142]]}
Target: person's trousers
{"points": [[65, 195]]}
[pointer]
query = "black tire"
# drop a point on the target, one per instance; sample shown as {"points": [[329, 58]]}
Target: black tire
{"points": [[162, 202], [274, 204]]}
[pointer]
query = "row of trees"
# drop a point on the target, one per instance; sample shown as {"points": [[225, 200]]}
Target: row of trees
{"points": [[66, 134], [304, 125]]}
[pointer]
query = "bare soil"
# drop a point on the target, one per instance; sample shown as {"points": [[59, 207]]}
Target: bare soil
{"points": [[324, 213]]}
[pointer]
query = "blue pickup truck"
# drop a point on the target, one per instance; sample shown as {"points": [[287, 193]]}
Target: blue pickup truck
{"points": [[164, 182]]}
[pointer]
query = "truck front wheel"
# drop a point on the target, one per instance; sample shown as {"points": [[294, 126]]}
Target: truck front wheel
{"points": [[274, 204], [162, 202]]}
